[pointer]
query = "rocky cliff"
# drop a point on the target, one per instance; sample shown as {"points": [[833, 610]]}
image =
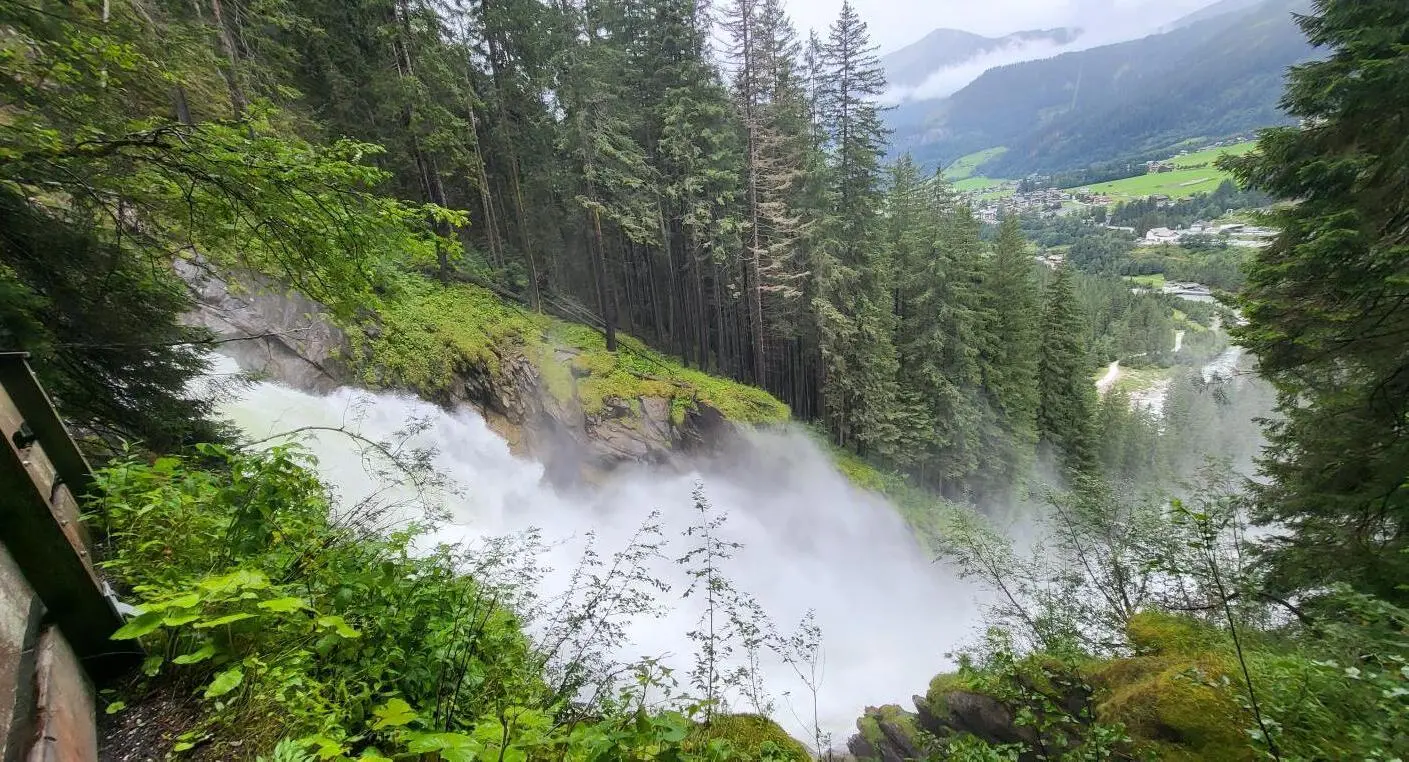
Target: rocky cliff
{"points": [[579, 410]]}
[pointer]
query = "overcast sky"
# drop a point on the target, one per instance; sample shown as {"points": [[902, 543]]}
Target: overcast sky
{"points": [[897, 23]]}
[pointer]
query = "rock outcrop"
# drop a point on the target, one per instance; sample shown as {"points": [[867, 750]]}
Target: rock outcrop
{"points": [[269, 330], [290, 338], [951, 709]]}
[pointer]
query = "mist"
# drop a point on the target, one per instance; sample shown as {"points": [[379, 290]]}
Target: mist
{"points": [[947, 81], [810, 540]]}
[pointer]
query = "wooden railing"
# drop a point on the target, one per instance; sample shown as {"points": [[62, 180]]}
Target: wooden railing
{"points": [[55, 618]]}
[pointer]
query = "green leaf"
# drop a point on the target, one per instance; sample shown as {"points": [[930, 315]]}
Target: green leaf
{"points": [[338, 625], [204, 652], [282, 605], [328, 748], [453, 747], [179, 602], [394, 713], [145, 623], [179, 618], [183, 746], [115, 707], [206, 624], [225, 682], [152, 665], [246, 579]]}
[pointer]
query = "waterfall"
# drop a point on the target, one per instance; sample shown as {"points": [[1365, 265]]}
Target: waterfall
{"points": [[810, 540]]}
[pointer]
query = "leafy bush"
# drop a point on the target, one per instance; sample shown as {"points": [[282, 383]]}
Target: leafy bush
{"points": [[341, 634]]}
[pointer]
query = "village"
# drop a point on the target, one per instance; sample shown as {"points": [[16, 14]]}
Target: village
{"points": [[1031, 196], [1234, 234]]}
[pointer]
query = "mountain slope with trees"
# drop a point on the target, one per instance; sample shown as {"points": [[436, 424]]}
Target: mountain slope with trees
{"points": [[1140, 626], [1119, 103]]}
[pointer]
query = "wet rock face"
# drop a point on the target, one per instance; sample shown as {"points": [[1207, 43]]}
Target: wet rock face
{"points": [[295, 343], [981, 716], [268, 329]]}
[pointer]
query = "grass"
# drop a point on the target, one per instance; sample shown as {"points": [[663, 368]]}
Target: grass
{"points": [[964, 167], [930, 516], [1211, 155], [1195, 174], [1155, 282], [962, 174], [986, 185], [430, 334], [1134, 380]]}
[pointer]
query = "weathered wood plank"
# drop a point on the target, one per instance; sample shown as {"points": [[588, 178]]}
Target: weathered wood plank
{"points": [[38, 412]]}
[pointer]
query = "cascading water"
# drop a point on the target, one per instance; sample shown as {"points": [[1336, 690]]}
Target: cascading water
{"points": [[811, 541]]}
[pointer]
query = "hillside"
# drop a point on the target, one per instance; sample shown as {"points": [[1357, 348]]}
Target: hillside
{"points": [[1130, 101], [1193, 173]]}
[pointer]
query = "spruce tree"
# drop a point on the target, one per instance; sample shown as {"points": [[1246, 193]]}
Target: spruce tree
{"points": [[1066, 394], [1327, 305], [855, 299], [1010, 358]]}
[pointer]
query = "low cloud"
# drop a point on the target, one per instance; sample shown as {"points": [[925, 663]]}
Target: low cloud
{"points": [[949, 80]]}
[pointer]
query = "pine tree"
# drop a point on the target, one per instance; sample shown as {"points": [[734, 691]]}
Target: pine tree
{"points": [[923, 386], [1328, 305], [1066, 395], [936, 251]]}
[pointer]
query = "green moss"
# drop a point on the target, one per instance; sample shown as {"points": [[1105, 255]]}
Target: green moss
{"points": [[929, 515], [869, 725], [428, 333], [748, 734], [949, 682], [1160, 633], [1176, 706]]}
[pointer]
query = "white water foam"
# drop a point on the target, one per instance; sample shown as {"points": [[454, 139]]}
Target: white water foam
{"points": [[811, 541]]}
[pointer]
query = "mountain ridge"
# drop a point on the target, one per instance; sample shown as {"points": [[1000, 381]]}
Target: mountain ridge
{"points": [[1213, 78], [942, 48]]}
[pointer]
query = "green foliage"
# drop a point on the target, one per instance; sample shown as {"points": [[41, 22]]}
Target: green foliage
{"points": [[1326, 306], [101, 188], [1066, 397], [101, 328], [293, 623], [1010, 361]]}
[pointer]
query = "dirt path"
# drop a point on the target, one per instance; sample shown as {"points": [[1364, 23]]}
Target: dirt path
{"points": [[1107, 381]]}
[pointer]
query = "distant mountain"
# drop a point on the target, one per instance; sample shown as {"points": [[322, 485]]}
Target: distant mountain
{"points": [[910, 66], [1211, 78], [1221, 8]]}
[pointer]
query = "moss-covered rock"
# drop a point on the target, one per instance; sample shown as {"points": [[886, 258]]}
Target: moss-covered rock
{"points": [[430, 333], [1180, 707], [1160, 633], [550, 385], [887, 733], [751, 736]]}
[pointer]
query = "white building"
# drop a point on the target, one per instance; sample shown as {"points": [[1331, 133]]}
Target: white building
{"points": [[1157, 236]]}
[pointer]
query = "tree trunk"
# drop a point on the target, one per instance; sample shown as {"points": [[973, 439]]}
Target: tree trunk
{"points": [[599, 277]]}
